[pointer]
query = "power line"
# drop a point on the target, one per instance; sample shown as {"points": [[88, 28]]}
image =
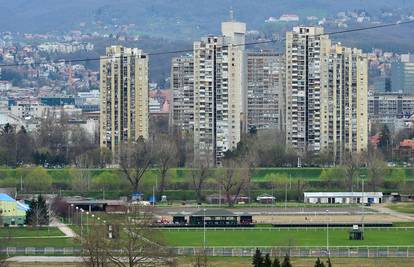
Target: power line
{"points": [[191, 50]]}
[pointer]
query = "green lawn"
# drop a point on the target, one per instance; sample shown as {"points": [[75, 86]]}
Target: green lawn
{"points": [[30, 232], [402, 207], [41, 242], [272, 237], [34, 237]]}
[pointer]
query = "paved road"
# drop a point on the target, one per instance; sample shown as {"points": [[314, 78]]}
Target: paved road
{"points": [[45, 259], [63, 228], [382, 209]]}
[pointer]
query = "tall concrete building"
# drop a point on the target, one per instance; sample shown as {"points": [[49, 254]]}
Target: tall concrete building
{"points": [[219, 73], [265, 96], [182, 87], [402, 75], [326, 94], [123, 96]]}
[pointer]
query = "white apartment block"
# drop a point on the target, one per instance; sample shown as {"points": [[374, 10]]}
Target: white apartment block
{"points": [[326, 94], [123, 96], [219, 73]]}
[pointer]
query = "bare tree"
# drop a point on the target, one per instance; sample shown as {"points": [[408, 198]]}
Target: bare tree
{"points": [[351, 164], [377, 169], [140, 244], [233, 180], [200, 258], [134, 160], [81, 179], [95, 246], [166, 158], [198, 178]]}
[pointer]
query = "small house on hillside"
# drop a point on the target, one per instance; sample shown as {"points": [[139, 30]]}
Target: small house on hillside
{"points": [[265, 199]]}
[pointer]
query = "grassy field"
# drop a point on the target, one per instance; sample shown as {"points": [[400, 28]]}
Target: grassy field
{"points": [[35, 237], [63, 242], [285, 237], [246, 262], [30, 232], [402, 207]]}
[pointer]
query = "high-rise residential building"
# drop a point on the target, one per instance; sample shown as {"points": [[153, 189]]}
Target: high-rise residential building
{"points": [[402, 75], [219, 73], [182, 86], [326, 94], [265, 96], [123, 96]]}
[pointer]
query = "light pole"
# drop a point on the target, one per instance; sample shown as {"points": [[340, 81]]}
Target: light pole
{"points": [[327, 234], [81, 213], [204, 228], [70, 214], [87, 221]]}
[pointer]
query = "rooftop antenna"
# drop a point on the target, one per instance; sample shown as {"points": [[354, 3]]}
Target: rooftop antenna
{"points": [[231, 14]]}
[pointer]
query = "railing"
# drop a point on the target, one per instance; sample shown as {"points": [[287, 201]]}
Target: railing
{"points": [[355, 252], [271, 229], [294, 251]]}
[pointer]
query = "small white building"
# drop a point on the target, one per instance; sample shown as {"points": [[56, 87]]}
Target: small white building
{"points": [[342, 197]]}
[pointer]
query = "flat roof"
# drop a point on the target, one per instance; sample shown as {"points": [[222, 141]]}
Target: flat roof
{"points": [[95, 202], [213, 212], [342, 194], [5, 197]]}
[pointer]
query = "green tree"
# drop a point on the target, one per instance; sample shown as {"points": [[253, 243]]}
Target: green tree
{"points": [[385, 142], [319, 263], [333, 177], [286, 261], [106, 180], [38, 213], [377, 170], [37, 179], [80, 179], [8, 145], [398, 178], [267, 261], [258, 259], [276, 262], [24, 147], [278, 180]]}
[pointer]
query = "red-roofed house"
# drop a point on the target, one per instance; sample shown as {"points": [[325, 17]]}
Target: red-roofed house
{"points": [[406, 150]]}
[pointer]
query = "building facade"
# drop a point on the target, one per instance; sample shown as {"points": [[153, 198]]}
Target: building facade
{"points": [[390, 105], [402, 75], [123, 96], [219, 73], [182, 86], [265, 97], [326, 94]]}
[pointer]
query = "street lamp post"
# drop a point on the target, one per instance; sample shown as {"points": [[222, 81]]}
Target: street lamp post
{"points": [[204, 228], [327, 234], [81, 223], [70, 215]]}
